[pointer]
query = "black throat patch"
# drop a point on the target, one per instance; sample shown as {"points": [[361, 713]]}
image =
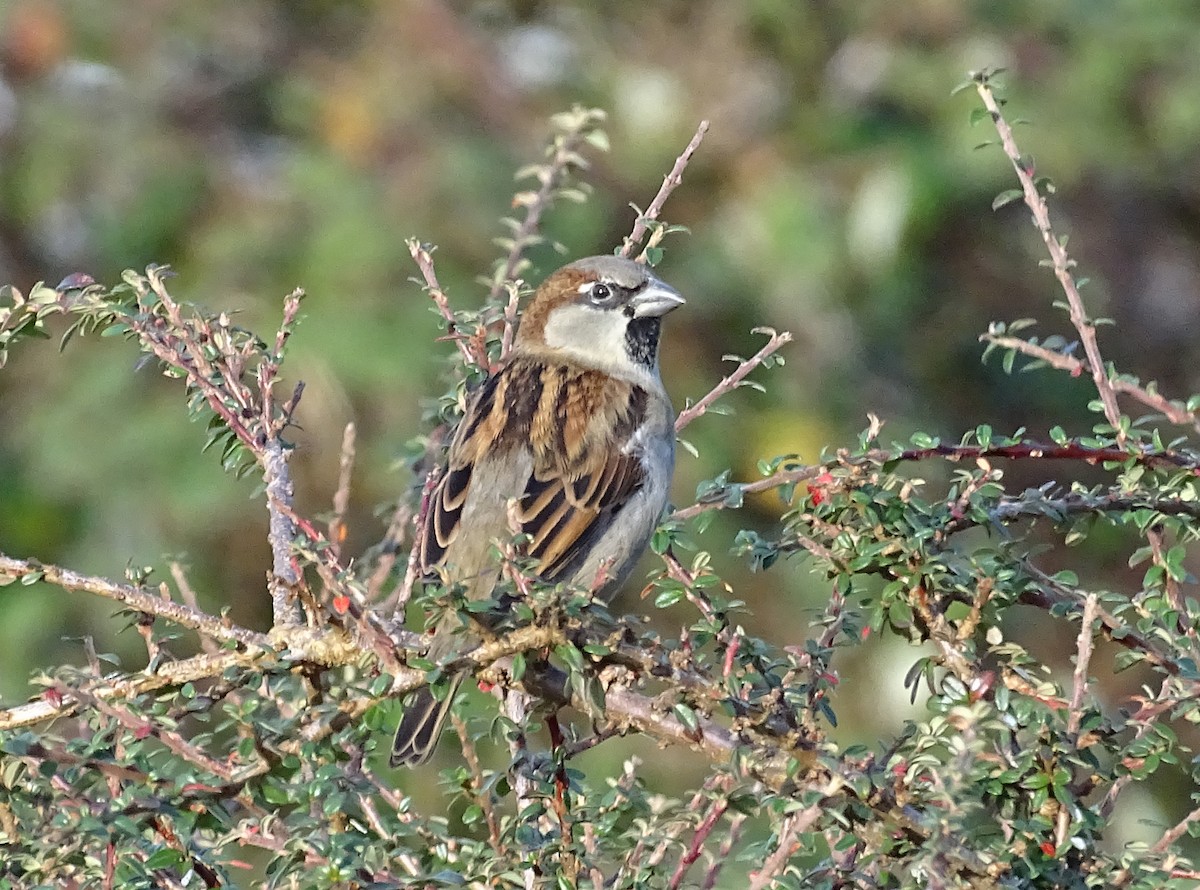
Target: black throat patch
{"points": [[641, 340]]}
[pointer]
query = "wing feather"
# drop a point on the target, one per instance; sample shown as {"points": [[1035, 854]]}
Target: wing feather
{"points": [[582, 469], [583, 506]]}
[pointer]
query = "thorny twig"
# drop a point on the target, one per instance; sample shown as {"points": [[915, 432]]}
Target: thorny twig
{"points": [[172, 740], [188, 594], [1023, 450], [576, 126], [1061, 262], [341, 495], [1179, 602], [563, 155], [479, 790], [1143, 719], [388, 548], [1079, 686], [142, 599], [734, 379], [413, 568], [716, 809], [214, 364], [670, 182], [470, 346], [793, 825], [1083, 657], [1174, 411], [1173, 834]]}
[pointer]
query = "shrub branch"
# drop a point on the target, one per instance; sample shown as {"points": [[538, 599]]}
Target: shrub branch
{"points": [[1061, 263]]}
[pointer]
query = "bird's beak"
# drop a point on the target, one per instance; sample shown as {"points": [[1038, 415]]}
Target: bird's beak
{"points": [[655, 300]]}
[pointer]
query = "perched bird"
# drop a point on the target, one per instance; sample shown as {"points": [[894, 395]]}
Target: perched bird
{"points": [[577, 429]]}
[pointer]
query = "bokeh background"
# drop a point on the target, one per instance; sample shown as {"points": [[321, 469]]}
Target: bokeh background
{"points": [[257, 145]]}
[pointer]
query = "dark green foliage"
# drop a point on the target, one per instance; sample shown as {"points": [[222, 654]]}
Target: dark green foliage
{"points": [[261, 754]]}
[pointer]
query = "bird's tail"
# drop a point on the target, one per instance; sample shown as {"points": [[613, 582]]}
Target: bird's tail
{"points": [[421, 725]]}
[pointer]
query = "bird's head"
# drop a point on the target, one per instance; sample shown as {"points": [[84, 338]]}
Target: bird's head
{"points": [[604, 312]]}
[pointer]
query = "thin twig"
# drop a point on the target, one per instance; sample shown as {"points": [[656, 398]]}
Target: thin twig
{"points": [[188, 594], [110, 864], [341, 495], [413, 568], [1024, 450], [535, 205], [1061, 262], [1174, 411], [793, 825], [1053, 593], [142, 599], [424, 260], [1176, 832], [174, 742], [1079, 685], [388, 548], [723, 854], [734, 380], [716, 810], [694, 594], [671, 836], [479, 789], [563, 155], [174, 342], [509, 330], [1179, 602], [560, 800], [274, 422], [1143, 719], [670, 182]]}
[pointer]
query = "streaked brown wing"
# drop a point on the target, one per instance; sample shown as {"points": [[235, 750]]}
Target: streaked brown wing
{"points": [[448, 497], [565, 515], [562, 515], [445, 509], [573, 425]]}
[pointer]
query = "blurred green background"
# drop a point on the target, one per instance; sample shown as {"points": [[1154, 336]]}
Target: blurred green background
{"points": [[256, 146]]}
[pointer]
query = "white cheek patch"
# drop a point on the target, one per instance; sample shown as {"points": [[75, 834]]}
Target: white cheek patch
{"points": [[594, 334], [596, 338]]}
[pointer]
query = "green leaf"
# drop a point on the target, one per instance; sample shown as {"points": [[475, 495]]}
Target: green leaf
{"points": [[668, 597], [570, 656], [165, 858], [687, 717], [1006, 197], [597, 139], [978, 114]]}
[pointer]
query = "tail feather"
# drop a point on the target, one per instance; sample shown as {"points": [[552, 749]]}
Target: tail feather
{"points": [[421, 725]]}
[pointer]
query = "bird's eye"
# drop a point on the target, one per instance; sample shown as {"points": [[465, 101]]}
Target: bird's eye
{"points": [[600, 292]]}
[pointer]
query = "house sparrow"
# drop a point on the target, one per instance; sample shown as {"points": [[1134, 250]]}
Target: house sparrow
{"points": [[577, 429]]}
